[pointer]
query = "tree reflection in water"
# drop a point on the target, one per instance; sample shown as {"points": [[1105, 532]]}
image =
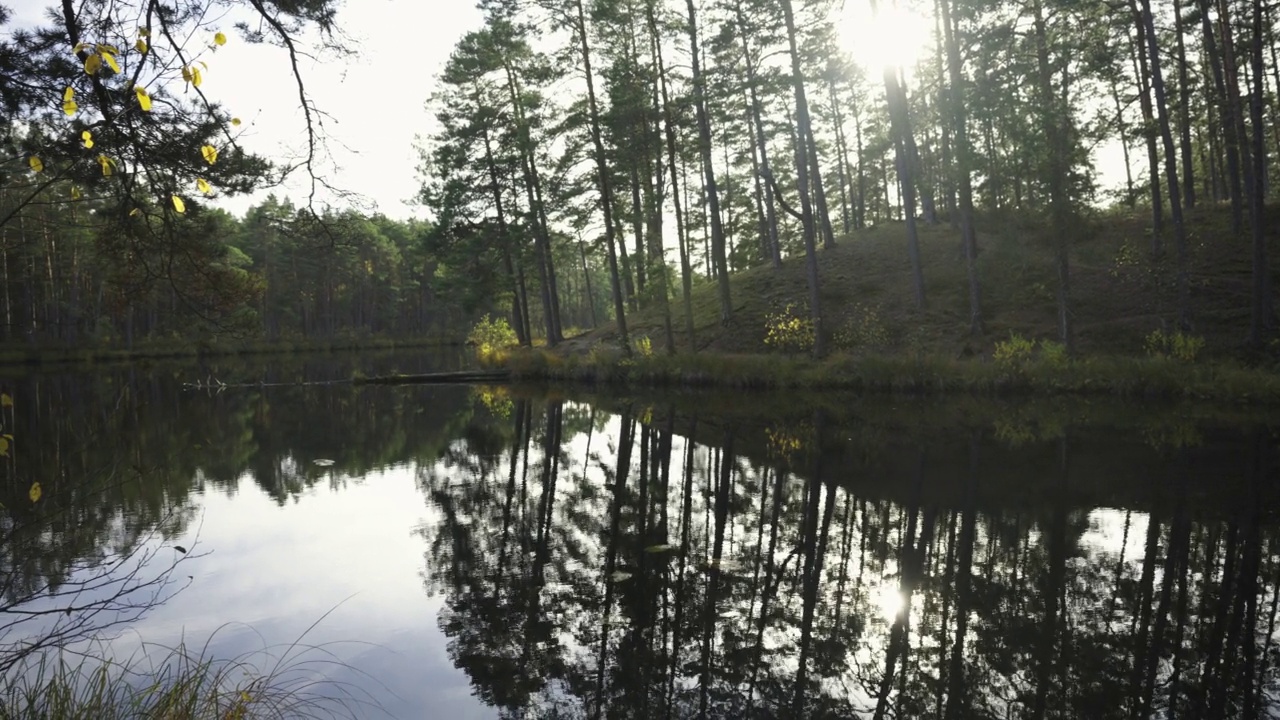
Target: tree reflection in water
{"points": [[649, 564]]}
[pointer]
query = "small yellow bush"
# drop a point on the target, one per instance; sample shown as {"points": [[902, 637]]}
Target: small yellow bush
{"points": [[1176, 345], [491, 337], [788, 331]]}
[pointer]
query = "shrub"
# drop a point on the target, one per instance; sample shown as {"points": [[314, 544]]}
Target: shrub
{"points": [[644, 346], [863, 329], [1176, 345], [1015, 351], [788, 331], [491, 336]]}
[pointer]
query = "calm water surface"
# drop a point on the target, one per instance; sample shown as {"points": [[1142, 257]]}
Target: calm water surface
{"points": [[460, 552]]}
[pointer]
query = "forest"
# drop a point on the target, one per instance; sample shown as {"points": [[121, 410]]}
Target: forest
{"points": [[591, 161]]}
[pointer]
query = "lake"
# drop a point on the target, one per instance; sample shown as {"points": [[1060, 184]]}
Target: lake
{"points": [[467, 552]]}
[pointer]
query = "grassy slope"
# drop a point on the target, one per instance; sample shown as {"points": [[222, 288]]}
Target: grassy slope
{"points": [[1119, 292]]}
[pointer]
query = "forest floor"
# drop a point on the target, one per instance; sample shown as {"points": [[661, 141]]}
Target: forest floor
{"points": [[1120, 292]]}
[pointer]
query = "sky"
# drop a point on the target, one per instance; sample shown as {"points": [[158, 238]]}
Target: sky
{"points": [[375, 100]]}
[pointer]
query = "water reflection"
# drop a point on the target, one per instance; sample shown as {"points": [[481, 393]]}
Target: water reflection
{"points": [[603, 564], [677, 559]]}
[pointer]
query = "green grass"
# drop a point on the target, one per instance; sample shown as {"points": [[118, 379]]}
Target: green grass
{"points": [[1120, 292], [178, 684], [1113, 376], [881, 341]]}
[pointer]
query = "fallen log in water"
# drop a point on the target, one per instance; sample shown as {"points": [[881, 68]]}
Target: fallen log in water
{"points": [[441, 378]]}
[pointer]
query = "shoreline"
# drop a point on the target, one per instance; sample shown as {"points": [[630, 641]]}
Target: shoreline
{"points": [[1115, 376], [17, 356]]}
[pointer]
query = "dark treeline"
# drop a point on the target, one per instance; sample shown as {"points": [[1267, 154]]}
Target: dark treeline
{"points": [[591, 158], [675, 143]]}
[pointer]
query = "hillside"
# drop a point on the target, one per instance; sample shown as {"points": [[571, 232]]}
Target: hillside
{"points": [[1120, 293]]}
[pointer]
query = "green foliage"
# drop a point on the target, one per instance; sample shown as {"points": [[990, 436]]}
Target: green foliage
{"points": [[1019, 354], [643, 346], [788, 331], [1014, 352], [491, 337], [1176, 345], [864, 329]]}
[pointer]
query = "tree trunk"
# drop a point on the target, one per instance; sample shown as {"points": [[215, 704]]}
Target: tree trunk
{"points": [[1184, 110], [720, 260], [603, 180], [1262, 307], [686, 271], [963, 168], [1170, 168], [802, 172]]}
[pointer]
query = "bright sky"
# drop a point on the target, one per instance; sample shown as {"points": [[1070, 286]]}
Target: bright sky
{"points": [[375, 99]]}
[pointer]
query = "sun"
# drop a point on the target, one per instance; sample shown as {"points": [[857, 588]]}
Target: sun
{"points": [[894, 37]]}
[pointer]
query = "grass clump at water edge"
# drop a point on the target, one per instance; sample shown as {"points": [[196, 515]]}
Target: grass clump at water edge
{"points": [[181, 684]]}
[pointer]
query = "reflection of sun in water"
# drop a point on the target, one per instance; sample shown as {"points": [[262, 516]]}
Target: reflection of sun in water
{"points": [[888, 599], [896, 36]]}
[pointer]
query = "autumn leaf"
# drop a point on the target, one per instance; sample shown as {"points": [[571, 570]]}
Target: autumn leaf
{"points": [[36, 164], [108, 165], [140, 45], [144, 100], [219, 39], [69, 105], [178, 204], [135, 212], [4, 447], [195, 77], [86, 138], [110, 60], [92, 64], [6, 400], [235, 122], [204, 186], [35, 492], [75, 192], [210, 154]]}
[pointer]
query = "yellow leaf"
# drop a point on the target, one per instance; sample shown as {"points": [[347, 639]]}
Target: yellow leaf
{"points": [[144, 100], [69, 93], [69, 107], [108, 165], [4, 447], [6, 400], [178, 204], [144, 32], [210, 154], [35, 492], [195, 77], [110, 59], [135, 212], [92, 64], [105, 48], [36, 164], [141, 46], [204, 186], [186, 74], [75, 193], [80, 47], [86, 137], [219, 39], [235, 122]]}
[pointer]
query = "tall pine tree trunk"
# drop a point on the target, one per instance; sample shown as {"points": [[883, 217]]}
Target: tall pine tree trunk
{"points": [[963, 168], [719, 259], [603, 180], [802, 172], [1170, 168]]}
